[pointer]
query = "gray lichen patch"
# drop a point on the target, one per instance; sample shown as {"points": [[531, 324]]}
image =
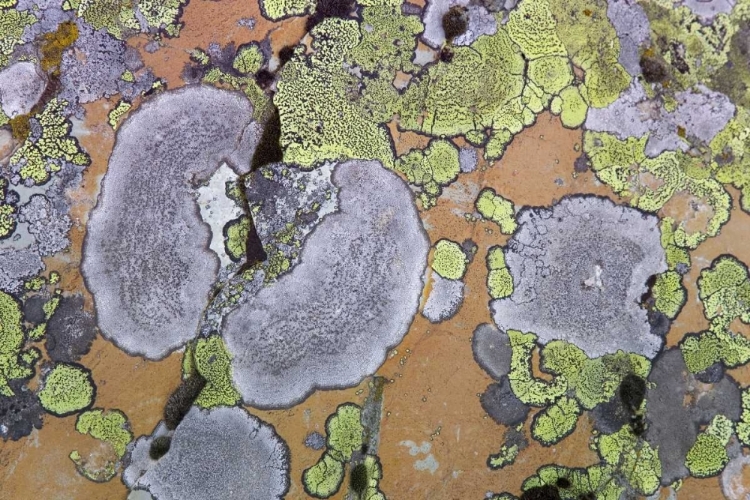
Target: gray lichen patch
{"points": [[444, 300], [353, 295], [502, 405], [16, 266], [220, 453], [492, 350], [46, 224], [677, 408], [579, 269], [700, 114], [21, 86], [146, 257], [70, 330], [632, 27]]}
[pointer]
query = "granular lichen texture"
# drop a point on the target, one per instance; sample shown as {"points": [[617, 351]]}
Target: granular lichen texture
{"points": [[375, 249]]}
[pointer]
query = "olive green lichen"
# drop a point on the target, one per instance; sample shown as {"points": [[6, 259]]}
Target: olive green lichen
{"points": [[525, 386], [731, 149], [650, 183], [324, 478], [677, 257], [12, 364], [235, 238], [494, 207], [37, 158], [669, 294], [499, 279], [506, 456], [210, 358], [116, 114], [12, 25], [276, 10], [596, 481], [708, 456], [430, 170], [67, 389], [110, 427], [571, 104], [556, 422], [591, 381], [344, 436], [116, 16], [449, 260], [634, 458], [248, 59], [592, 44], [321, 118]]}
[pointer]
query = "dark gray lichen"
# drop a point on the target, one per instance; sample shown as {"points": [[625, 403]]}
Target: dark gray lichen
{"points": [[220, 453], [20, 413], [492, 350], [502, 405], [70, 330], [315, 440], [352, 296], [673, 426], [578, 271], [146, 258]]}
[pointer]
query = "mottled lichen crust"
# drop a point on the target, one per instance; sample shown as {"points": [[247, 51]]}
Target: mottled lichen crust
{"points": [[578, 270], [352, 296], [221, 453], [146, 257]]}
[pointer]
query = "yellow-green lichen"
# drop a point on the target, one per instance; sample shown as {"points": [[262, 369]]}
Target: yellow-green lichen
{"points": [[116, 114], [431, 169], [248, 59], [12, 365], [110, 427], [669, 294], [555, 422], [634, 458], [344, 431], [12, 24], [494, 207], [276, 10], [37, 158], [596, 480], [708, 455], [67, 389], [449, 260], [527, 388], [212, 360], [499, 279], [324, 478], [506, 456]]}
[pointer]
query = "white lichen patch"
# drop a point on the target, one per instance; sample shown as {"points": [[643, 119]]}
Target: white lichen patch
{"points": [[217, 208], [579, 269], [329, 322]]}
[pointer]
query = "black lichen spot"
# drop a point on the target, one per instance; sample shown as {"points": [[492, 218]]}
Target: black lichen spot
{"points": [[632, 391], [264, 78], [33, 311], [652, 69], [329, 8], [269, 146], [581, 164], [589, 495], [647, 297], [563, 483], [358, 479], [446, 55], [70, 331], [455, 22], [159, 447], [711, 375], [285, 54], [638, 425], [659, 322], [20, 413], [502, 405], [546, 492], [179, 403]]}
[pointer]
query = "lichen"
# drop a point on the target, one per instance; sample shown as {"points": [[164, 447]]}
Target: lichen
{"points": [[494, 207], [12, 339], [213, 362], [110, 427], [708, 456], [430, 170], [449, 260], [555, 422], [67, 389], [499, 279], [526, 387]]}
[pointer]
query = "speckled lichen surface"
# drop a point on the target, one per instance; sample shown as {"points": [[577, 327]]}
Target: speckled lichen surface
{"points": [[375, 249]]}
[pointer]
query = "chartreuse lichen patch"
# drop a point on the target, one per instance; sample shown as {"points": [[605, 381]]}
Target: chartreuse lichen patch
{"points": [[67, 389], [209, 357], [724, 289], [708, 456], [449, 260], [499, 279], [430, 170], [13, 362], [344, 447], [110, 427], [43, 154], [497, 209]]}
